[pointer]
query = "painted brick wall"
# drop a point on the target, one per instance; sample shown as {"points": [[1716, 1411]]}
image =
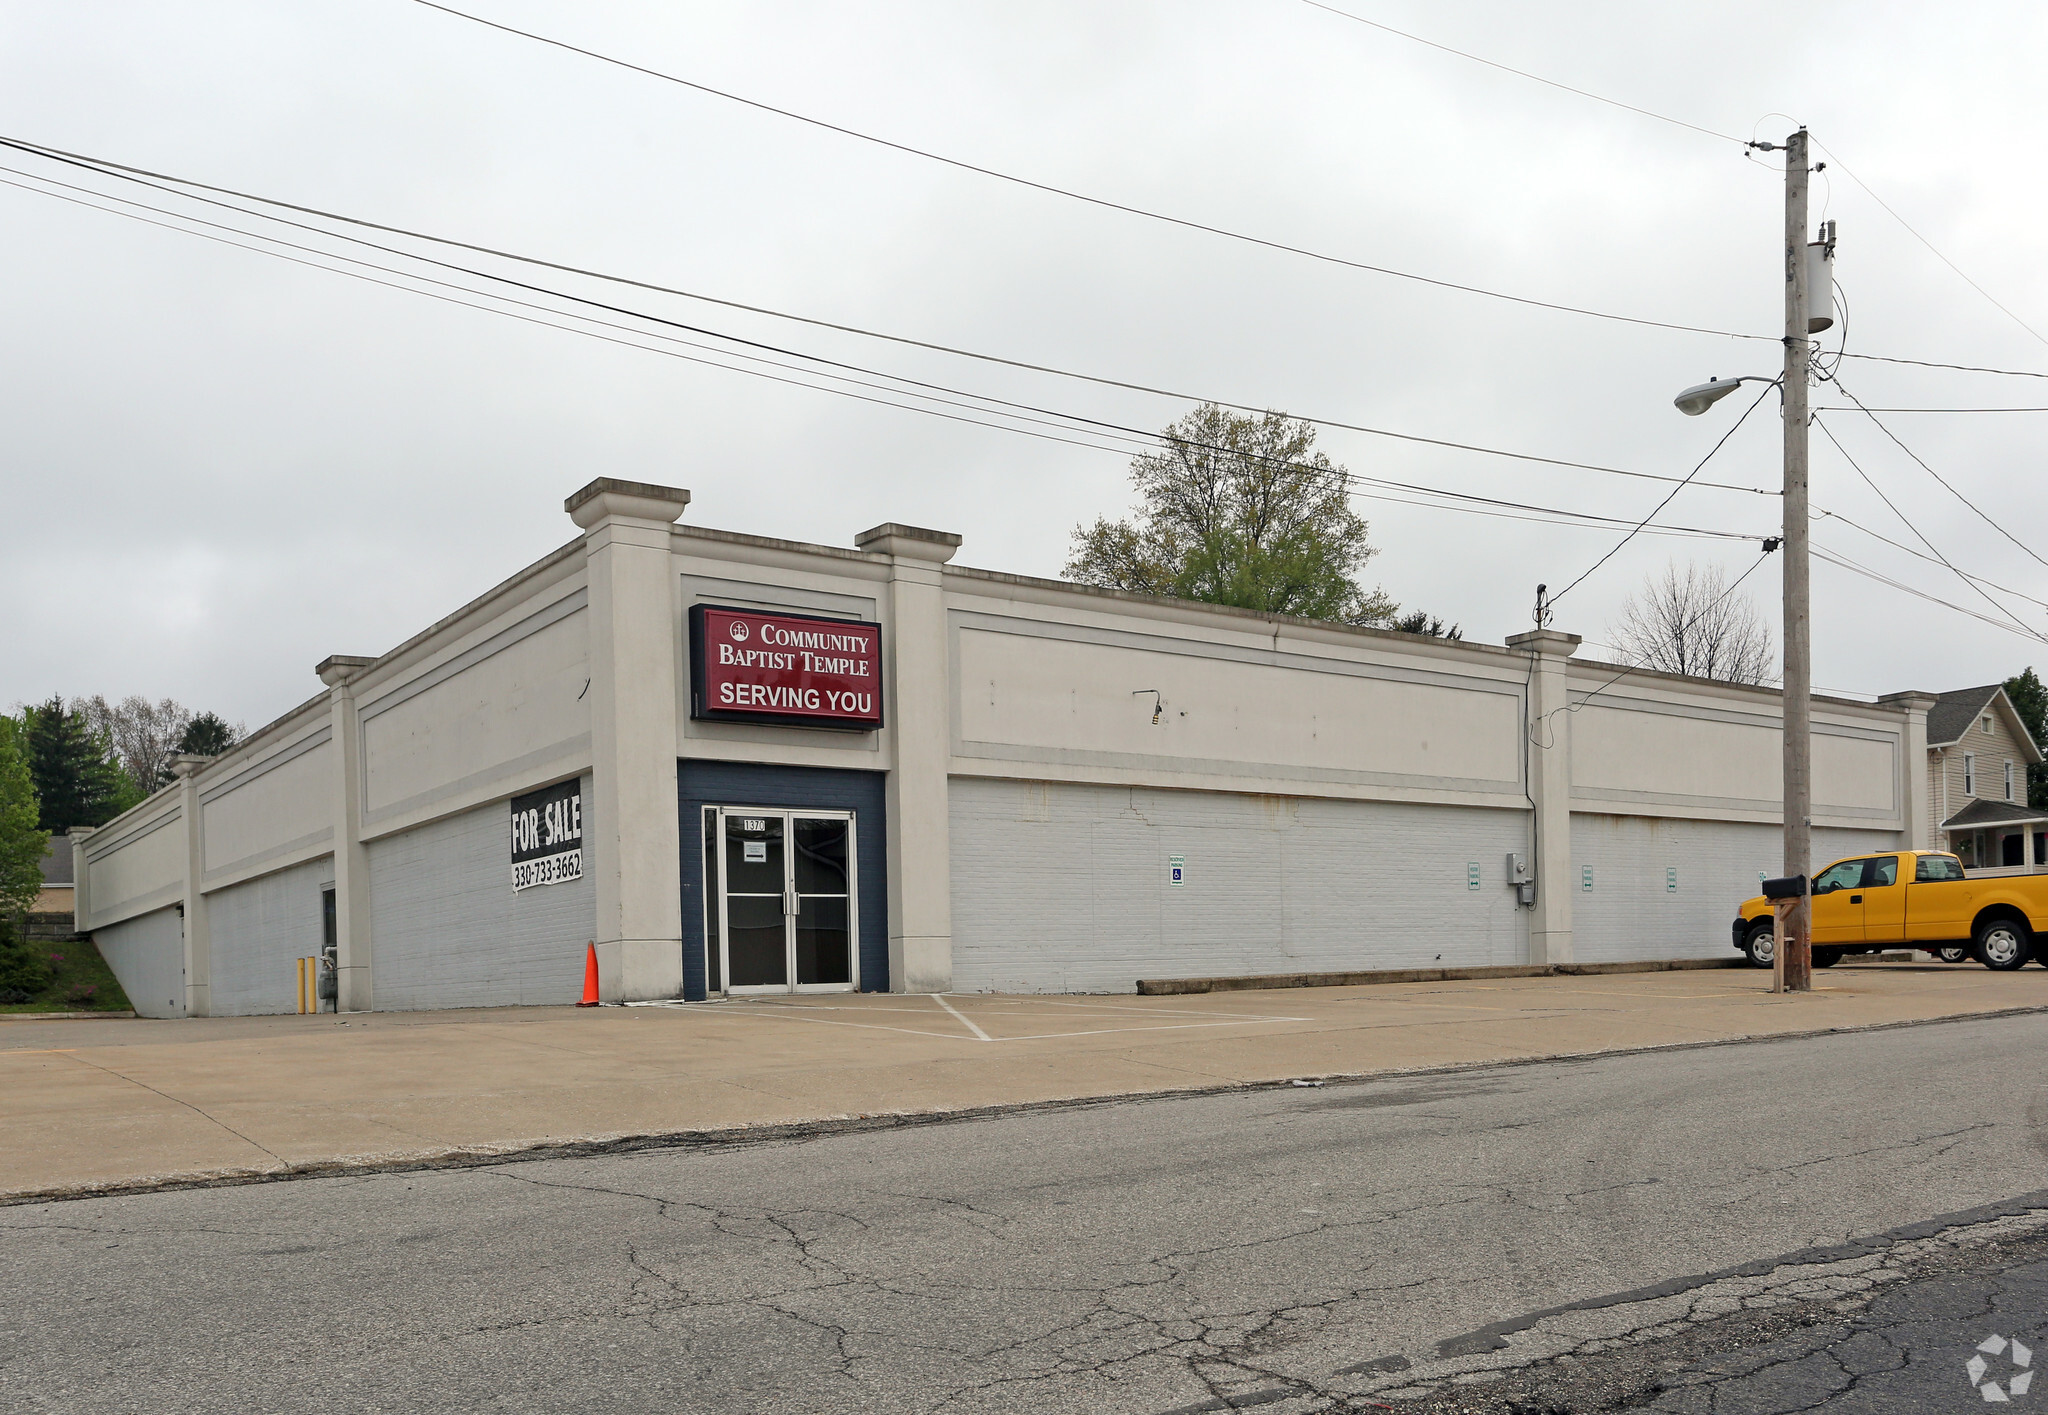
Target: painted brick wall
{"points": [[1063, 888], [147, 953], [1631, 913], [258, 930], [448, 931]]}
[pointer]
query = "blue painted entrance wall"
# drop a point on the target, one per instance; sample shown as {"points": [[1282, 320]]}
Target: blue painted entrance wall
{"points": [[701, 783]]}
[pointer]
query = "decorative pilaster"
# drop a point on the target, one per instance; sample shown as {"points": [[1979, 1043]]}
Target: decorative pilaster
{"points": [[631, 836], [81, 885], [1547, 731], [354, 946], [919, 680], [198, 941], [1919, 811]]}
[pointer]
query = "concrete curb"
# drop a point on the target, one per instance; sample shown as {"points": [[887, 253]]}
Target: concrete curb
{"points": [[62, 1016], [1171, 987], [477, 1157]]}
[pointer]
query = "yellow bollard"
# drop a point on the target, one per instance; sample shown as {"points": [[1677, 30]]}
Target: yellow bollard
{"points": [[302, 986]]}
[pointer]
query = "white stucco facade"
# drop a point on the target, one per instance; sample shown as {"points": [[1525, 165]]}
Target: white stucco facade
{"points": [[1335, 799]]}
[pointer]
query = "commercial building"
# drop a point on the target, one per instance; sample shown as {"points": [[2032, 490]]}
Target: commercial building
{"points": [[736, 764]]}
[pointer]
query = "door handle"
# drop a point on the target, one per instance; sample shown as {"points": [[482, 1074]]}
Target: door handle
{"points": [[1855, 899]]}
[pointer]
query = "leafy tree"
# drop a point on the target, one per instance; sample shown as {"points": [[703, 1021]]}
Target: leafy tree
{"points": [[2030, 698], [22, 838], [143, 733], [77, 782], [209, 735], [1690, 623], [1238, 510]]}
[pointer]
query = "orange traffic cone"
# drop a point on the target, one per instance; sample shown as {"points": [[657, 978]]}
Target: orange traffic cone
{"points": [[589, 977]]}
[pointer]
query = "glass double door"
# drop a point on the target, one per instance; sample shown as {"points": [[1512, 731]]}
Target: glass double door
{"points": [[787, 891]]}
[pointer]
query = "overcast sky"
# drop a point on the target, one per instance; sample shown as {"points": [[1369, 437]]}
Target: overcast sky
{"points": [[220, 468]]}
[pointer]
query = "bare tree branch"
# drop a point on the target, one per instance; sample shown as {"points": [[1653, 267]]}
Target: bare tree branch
{"points": [[1687, 622]]}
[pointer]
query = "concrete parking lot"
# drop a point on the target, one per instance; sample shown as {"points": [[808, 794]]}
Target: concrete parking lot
{"points": [[125, 1103]]}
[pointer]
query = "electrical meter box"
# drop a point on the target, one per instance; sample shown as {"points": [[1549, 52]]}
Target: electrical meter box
{"points": [[1518, 868]]}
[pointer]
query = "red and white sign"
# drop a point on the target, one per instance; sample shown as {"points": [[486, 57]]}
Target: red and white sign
{"points": [[788, 668]]}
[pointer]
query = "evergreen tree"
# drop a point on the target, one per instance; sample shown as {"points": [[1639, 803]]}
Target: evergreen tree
{"points": [[209, 735], [2030, 699], [22, 840], [76, 779], [1421, 621]]}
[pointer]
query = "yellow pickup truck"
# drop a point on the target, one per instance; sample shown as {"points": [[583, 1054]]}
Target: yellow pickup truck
{"points": [[1915, 898]]}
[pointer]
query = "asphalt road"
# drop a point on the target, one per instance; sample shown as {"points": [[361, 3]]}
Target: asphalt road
{"points": [[1288, 1250]]}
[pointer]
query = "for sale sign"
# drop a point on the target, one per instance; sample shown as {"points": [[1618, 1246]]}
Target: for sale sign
{"points": [[794, 669], [547, 836]]}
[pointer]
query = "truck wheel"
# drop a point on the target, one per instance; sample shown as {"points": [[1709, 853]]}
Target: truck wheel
{"points": [[1957, 955], [2001, 945], [1761, 945], [1826, 957]]}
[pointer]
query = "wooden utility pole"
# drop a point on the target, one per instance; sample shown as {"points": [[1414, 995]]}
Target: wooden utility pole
{"points": [[1795, 934]]}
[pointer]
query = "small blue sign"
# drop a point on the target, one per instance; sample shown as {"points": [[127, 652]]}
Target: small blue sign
{"points": [[1176, 870]]}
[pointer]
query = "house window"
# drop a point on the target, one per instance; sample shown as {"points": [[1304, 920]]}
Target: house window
{"points": [[1986, 722], [1969, 775], [2008, 781]]}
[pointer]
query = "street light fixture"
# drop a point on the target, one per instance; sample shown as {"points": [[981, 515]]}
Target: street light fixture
{"points": [[1702, 396]]}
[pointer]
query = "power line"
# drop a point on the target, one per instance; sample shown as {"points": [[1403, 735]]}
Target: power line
{"points": [[1966, 579], [1522, 73], [1938, 476], [1105, 203], [1829, 557], [570, 329], [1841, 561], [1090, 427], [1703, 611], [153, 180], [1665, 502], [147, 177], [1835, 158], [1545, 515], [1934, 410], [1959, 368], [1826, 515], [1833, 692]]}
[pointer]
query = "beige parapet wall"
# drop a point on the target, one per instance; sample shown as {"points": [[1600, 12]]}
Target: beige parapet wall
{"points": [[577, 667]]}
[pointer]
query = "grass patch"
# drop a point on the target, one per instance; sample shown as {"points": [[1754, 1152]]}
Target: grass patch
{"points": [[79, 979]]}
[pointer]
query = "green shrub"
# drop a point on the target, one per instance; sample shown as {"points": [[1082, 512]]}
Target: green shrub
{"points": [[24, 971]]}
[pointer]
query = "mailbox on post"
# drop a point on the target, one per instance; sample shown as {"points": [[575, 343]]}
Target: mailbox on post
{"points": [[1791, 962]]}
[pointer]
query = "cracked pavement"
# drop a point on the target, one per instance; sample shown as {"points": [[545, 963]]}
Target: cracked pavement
{"points": [[1431, 1241], [1894, 1330]]}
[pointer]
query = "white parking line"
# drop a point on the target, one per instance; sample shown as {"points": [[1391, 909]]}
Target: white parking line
{"points": [[962, 1017]]}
